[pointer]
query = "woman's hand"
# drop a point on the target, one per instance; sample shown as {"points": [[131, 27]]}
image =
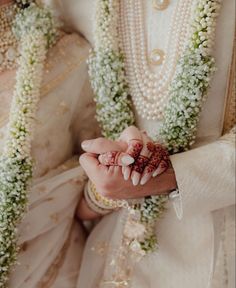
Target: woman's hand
{"points": [[134, 147]]}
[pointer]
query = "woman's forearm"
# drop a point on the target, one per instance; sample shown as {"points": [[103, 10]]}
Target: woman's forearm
{"points": [[84, 212]]}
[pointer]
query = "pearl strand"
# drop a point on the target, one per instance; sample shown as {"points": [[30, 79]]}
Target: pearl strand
{"points": [[143, 40], [134, 65], [150, 90], [147, 87], [8, 42]]}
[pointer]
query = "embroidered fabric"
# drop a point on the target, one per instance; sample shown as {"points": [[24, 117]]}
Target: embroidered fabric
{"points": [[230, 108], [65, 116]]}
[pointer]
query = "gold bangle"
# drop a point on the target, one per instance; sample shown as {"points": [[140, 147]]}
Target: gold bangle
{"points": [[105, 202], [92, 205]]}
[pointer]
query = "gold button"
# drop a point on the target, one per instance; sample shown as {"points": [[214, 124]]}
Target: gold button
{"points": [[156, 57], [161, 4]]}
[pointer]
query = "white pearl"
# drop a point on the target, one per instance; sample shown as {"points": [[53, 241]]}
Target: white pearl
{"points": [[133, 35]]}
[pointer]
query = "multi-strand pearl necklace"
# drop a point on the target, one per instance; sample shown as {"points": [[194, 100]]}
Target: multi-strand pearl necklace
{"points": [[8, 42], [149, 90]]}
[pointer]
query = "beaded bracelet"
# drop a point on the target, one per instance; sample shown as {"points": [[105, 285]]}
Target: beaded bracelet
{"points": [[105, 202], [92, 205], [99, 203]]}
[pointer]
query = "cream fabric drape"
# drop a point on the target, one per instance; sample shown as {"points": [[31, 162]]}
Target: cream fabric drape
{"points": [[47, 231], [51, 240]]}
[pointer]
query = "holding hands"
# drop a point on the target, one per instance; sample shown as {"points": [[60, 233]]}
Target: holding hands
{"points": [[129, 168]]}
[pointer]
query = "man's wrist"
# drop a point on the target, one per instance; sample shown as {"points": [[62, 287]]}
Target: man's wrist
{"points": [[166, 182], [174, 194]]}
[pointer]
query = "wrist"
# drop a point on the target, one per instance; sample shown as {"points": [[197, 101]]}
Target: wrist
{"points": [[166, 182]]}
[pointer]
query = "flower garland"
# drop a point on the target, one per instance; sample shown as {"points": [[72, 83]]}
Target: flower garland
{"points": [[187, 93], [190, 85], [35, 27], [106, 70]]}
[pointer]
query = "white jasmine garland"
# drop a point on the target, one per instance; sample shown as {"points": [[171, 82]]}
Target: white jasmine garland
{"points": [[151, 210], [36, 29], [189, 88], [187, 93], [106, 70]]}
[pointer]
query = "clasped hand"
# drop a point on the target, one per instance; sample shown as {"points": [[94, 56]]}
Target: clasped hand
{"points": [[130, 168]]}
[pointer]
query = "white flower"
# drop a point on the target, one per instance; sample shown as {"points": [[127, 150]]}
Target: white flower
{"points": [[16, 164], [136, 248], [134, 229]]}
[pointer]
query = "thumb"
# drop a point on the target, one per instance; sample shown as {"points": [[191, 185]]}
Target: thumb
{"points": [[102, 145], [91, 166]]}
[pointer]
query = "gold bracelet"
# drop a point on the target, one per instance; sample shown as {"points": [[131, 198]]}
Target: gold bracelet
{"points": [[92, 205], [105, 202]]}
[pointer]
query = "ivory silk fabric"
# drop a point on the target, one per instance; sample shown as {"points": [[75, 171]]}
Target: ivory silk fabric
{"points": [[51, 240]]}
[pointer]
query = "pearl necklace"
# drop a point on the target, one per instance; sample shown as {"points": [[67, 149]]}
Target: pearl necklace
{"points": [[8, 42], [149, 90]]}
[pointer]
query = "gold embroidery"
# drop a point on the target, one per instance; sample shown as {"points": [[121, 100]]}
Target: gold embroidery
{"points": [[121, 261], [57, 55], [100, 248], [230, 109], [63, 108], [52, 273], [47, 88], [55, 218]]}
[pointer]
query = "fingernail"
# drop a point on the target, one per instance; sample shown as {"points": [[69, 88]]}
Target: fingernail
{"points": [[85, 144], [102, 159], [135, 179], [145, 179], [155, 173], [123, 170], [126, 173], [127, 160]]}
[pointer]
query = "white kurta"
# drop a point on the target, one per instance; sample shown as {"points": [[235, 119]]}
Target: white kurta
{"points": [[197, 250]]}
